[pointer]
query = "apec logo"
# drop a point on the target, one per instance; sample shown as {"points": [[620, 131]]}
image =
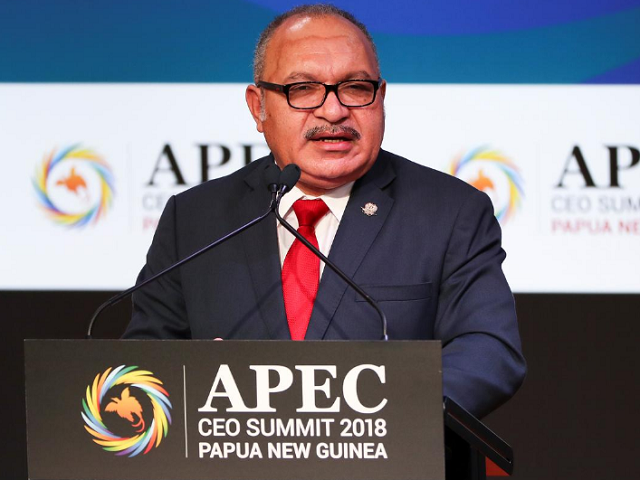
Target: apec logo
{"points": [[597, 192], [321, 413], [496, 175], [308, 386], [75, 186], [121, 398]]}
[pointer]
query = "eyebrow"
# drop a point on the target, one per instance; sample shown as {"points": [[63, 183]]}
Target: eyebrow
{"points": [[299, 76], [306, 77]]}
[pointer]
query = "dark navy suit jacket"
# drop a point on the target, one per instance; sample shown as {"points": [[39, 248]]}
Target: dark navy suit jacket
{"points": [[431, 256]]}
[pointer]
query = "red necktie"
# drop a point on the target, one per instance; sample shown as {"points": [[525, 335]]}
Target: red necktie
{"points": [[301, 269]]}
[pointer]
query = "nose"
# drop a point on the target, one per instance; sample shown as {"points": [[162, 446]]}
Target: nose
{"points": [[332, 110]]}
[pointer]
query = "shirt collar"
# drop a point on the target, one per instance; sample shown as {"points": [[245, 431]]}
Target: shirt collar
{"points": [[335, 199]]}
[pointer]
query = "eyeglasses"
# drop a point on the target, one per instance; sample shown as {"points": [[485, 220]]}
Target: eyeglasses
{"points": [[309, 95]]}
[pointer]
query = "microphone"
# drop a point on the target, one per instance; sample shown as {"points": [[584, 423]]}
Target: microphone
{"points": [[289, 177], [271, 176]]}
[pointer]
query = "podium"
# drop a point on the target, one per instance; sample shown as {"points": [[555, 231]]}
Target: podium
{"points": [[248, 410]]}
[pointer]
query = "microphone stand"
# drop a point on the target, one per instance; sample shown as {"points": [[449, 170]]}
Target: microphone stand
{"points": [[115, 299]]}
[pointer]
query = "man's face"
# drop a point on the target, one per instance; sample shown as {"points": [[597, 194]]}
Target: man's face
{"points": [[347, 140]]}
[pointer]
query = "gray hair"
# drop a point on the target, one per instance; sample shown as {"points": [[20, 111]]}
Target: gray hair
{"points": [[314, 11]]}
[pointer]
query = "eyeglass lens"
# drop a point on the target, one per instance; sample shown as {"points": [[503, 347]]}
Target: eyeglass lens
{"points": [[350, 94]]}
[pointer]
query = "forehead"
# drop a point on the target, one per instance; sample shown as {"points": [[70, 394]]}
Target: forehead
{"points": [[318, 48]]}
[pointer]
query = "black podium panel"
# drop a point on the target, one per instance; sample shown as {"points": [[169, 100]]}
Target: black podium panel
{"points": [[260, 410]]}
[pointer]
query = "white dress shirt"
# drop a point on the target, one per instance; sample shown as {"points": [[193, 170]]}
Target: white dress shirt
{"points": [[326, 228]]}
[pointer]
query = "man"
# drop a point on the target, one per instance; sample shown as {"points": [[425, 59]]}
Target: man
{"points": [[424, 245]]}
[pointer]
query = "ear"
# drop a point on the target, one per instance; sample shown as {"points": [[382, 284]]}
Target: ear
{"points": [[253, 96], [382, 91]]}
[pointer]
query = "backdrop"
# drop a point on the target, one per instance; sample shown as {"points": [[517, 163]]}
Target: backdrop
{"points": [[108, 108]]}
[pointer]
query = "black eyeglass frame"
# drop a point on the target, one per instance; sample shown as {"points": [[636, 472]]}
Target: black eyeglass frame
{"points": [[276, 87]]}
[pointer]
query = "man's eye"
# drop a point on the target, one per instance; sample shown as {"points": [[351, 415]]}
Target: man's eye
{"points": [[356, 87], [303, 88]]}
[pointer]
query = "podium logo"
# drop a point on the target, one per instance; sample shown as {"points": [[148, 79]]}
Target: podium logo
{"points": [[74, 186], [494, 174], [126, 411]]}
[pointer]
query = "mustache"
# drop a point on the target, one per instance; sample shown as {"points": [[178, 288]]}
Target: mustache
{"points": [[332, 129]]}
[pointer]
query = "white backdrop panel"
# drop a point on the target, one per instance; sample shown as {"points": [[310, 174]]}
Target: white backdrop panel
{"points": [[574, 230]]}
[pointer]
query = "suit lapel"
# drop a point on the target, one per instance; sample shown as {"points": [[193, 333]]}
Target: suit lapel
{"points": [[263, 258], [356, 234]]}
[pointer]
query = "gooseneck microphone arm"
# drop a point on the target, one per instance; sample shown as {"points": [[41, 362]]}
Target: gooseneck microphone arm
{"points": [[272, 175], [283, 189]]}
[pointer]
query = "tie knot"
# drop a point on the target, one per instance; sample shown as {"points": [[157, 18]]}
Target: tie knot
{"points": [[309, 212]]}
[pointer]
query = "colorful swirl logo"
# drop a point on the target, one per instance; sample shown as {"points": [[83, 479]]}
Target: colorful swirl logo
{"points": [[127, 407], [493, 173], [75, 186]]}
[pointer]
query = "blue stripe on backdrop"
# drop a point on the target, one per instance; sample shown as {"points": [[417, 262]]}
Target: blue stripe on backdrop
{"points": [[464, 17], [567, 53], [128, 41], [619, 75], [440, 41]]}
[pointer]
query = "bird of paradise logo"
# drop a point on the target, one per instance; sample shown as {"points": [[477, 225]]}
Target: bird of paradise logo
{"points": [[492, 172], [89, 199], [97, 403]]}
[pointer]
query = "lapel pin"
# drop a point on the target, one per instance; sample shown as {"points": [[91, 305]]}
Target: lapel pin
{"points": [[370, 209]]}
